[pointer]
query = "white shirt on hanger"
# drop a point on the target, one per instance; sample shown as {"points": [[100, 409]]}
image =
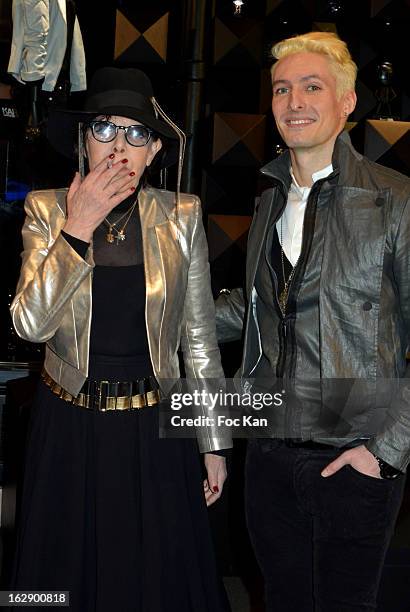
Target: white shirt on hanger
{"points": [[39, 44]]}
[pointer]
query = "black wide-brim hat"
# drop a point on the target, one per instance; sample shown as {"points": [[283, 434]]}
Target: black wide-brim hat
{"points": [[125, 92]]}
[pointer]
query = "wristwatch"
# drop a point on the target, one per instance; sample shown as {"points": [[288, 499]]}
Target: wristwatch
{"points": [[387, 471]]}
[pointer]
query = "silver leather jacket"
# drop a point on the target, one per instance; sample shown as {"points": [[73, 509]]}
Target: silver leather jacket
{"points": [[351, 305], [53, 299]]}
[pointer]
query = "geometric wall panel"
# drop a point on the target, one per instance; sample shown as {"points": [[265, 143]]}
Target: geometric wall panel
{"points": [[265, 92], [380, 136], [227, 191], [156, 35], [240, 43], [224, 41], [322, 26], [349, 125], [374, 144], [390, 131], [239, 139], [125, 34], [224, 230], [227, 239], [271, 5], [236, 90], [405, 107], [253, 42], [377, 6], [214, 196], [366, 54], [366, 102], [224, 137], [398, 155], [134, 45]]}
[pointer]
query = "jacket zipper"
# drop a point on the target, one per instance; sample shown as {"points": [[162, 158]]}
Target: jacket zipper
{"points": [[306, 243]]}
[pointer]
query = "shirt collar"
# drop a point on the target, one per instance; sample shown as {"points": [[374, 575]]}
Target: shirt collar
{"points": [[315, 176]]}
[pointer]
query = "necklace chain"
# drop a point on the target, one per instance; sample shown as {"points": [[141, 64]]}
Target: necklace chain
{"points": [[284, 294], [120, 232]]}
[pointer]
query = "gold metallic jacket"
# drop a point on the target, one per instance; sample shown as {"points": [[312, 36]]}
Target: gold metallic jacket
{"points": [[53, 299]]}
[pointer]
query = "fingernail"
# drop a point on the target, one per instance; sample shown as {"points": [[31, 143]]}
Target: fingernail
{"points": [[132, 173], [132, 188], [124, 161], [215, 489], [325, 473], [111, 156]]}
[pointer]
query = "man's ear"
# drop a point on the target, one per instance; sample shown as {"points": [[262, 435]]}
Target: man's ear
{"points": [[156, 146], [349, 102]]}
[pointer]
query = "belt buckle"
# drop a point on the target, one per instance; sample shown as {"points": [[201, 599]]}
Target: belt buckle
{"points": [[99, 395]]}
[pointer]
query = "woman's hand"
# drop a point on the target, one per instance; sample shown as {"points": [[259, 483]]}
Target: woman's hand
{"points": [[216, 471], [92, 199]]}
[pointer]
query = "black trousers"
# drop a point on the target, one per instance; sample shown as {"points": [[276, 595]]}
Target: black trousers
{"points": [[320, 542]]}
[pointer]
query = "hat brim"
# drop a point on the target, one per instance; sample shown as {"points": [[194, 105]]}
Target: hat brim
{"points": [[62, 130]]}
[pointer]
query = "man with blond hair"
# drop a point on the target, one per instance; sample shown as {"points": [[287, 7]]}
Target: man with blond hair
{"points": [[326, 313]]}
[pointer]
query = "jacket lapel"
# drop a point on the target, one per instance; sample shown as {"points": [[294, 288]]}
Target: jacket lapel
{"points": [[268, 209], [163, 276]]}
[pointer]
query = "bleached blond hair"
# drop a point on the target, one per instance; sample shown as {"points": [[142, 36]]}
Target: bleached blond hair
{"points": [[324, 43]]}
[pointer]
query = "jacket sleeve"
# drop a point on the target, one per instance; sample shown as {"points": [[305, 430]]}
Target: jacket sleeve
{"points": [[198, 339], [36, 28], [50, 274], [230, 314], [393, 443]]}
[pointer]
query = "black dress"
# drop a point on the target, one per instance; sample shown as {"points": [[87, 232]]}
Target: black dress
{"points": [[110, 512]]}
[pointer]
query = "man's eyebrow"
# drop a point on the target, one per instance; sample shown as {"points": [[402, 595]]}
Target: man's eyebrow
{"points": [[311, 76], [284, 81], [308, 77]]}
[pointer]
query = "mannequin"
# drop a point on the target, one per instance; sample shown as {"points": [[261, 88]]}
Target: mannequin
{"points": [[39, 59]]}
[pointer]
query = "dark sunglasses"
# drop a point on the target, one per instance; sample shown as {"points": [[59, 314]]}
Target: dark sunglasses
{"points": [[135, 135]]}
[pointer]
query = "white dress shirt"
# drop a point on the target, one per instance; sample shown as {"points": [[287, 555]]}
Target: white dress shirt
{"points": [[290, 225]]}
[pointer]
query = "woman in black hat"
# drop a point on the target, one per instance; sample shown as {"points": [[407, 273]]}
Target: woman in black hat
{"points": [[114, 278]]}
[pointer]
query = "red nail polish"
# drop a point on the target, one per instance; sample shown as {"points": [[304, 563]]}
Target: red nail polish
{"points": [[132, 173], [215, 489], [124, 161], [132, 188], [111, 156]]}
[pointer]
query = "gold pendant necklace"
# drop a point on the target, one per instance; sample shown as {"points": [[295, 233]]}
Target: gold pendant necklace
{"points": [[283, 298], [109, 236], [120, 237], [284, 294]]}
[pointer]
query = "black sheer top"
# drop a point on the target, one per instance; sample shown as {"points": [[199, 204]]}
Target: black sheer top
{"points": [[118, 328]]}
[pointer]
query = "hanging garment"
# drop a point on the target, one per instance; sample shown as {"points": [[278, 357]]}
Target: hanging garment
{"points": [[40, 41]]}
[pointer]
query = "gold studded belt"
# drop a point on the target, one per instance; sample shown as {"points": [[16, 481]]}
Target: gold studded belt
{"points": [[102, 395]]}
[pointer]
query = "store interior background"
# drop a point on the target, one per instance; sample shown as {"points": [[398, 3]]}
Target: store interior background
{"points": [[210, 70]]}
